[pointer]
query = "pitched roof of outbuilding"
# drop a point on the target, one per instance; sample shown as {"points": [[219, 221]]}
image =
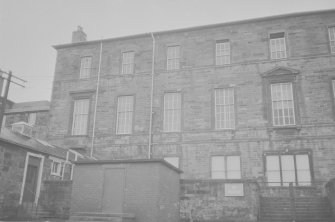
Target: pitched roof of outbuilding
{"points": [[33, 106], [31, 144]]}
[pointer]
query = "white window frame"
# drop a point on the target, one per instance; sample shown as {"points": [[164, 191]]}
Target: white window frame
{"points": [[278, 46], [59, 170], [85, 67], [282, 181], [283, 104], [173, 160], [128, 62], [125, 110], [224, 172], [173, 57], [172, 112], [331, 33], [222, 52], [224, 108], [80, 117]]}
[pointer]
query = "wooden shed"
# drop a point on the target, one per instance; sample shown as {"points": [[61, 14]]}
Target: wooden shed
{"points": [[145, 190]]}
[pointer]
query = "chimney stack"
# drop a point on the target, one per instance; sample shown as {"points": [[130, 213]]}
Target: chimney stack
{"points": [[79, 35]]}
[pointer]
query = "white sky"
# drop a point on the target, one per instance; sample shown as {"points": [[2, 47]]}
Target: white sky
{"points": [[28, 29]]}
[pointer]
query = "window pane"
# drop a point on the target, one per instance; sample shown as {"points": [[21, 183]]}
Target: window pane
{"points": [[222, 51], [218, 167], [85, 67], [173, 57], [80, 117], [303, 170], [224, 109], [273, 170], [288, 169], [282, 104], [331, 32], [128, 62], [174, 161], [233, 167], [277, 46], [172, 112], [125, 114]]}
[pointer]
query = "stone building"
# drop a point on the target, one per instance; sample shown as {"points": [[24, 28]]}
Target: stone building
{"points": [[243, 108], [34, 113], [26, 164]]}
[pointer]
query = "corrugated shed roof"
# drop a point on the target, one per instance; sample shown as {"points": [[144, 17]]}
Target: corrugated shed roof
{"points": [[32, 144], [33, 106]]}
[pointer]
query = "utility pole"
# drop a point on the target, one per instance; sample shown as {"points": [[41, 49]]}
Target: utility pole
{"points": [[5, 94]]}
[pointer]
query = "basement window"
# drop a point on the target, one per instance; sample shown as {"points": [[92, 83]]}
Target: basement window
{"points": [[281, 170]]}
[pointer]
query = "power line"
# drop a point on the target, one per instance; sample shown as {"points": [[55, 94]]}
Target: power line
{"points": [[6, 77]]}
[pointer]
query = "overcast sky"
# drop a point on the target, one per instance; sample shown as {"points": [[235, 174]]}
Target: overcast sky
{"points": [[28, 29]]}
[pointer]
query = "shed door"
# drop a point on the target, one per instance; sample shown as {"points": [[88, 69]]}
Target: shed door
{"points": [[31, 179], [113, 195]]}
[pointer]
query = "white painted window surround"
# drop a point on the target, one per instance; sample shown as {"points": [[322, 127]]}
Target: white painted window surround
{"points": [[39, 179]]}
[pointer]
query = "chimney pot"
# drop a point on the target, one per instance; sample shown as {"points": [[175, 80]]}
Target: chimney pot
{"points": [[79, 35]]}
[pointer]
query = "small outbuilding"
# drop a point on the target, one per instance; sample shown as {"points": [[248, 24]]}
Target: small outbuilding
{"points": [[145, 189]]}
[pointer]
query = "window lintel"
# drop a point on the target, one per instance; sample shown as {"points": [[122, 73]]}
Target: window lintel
{"points": [[280, 71]]}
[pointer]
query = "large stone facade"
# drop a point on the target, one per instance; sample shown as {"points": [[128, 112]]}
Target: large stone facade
{"points": [[309, 65]]}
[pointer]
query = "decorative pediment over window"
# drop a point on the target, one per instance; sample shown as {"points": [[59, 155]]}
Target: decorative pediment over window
{"points": [[280, 71]]}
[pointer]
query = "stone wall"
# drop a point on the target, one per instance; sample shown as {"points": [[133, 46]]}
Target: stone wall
{"points": [[330, 189], [55, 197], [205, 200], [12, 162]]}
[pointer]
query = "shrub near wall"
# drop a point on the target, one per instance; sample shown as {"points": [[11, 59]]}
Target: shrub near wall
{"points": [[56, 197], [205, 200]]}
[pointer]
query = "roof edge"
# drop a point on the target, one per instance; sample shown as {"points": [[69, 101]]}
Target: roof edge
{"points": [[61, 46], [129, 161]]}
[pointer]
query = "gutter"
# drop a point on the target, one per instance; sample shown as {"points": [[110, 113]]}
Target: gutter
{"points": [[96, 103], [194, 28], [151, 95]]}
